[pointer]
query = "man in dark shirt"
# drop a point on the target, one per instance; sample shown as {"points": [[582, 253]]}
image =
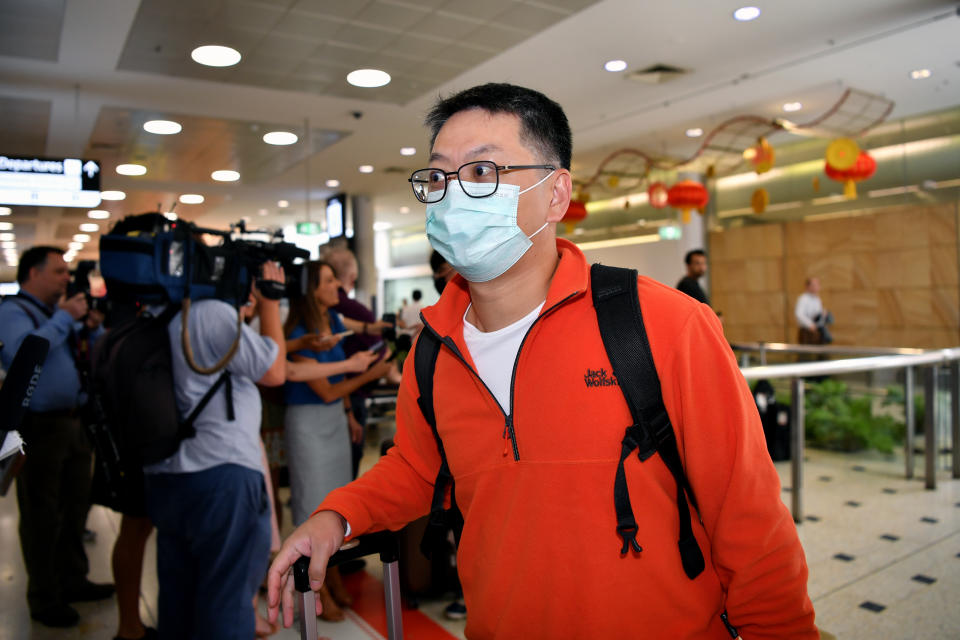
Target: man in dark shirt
{"points": [[696, 266], [344, 265]]}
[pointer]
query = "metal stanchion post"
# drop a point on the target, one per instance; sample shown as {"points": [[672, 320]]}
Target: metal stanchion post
{"points": [[796, 449], [745, 359], [763, 355], [910, 414], [955, 416], [930, 427]]}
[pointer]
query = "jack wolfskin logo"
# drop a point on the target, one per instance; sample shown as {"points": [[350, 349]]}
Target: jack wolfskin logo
{"points": [[599, 378]]}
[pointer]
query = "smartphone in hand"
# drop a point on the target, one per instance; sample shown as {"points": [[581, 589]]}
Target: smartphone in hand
{"points": [[379, 346]]}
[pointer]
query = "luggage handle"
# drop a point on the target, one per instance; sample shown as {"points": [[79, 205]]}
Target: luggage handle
{"points": [[383, 543]]}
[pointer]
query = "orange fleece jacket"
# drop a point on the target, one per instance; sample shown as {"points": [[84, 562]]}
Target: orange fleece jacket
{"points": [[539, 556]]}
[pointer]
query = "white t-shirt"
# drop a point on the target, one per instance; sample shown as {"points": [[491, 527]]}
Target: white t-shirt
{"points": [[410, 314], [808, 308], [495, 352]]}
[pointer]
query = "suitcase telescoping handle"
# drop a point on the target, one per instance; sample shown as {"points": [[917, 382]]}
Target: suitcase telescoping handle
{"points": [[383, 543]]}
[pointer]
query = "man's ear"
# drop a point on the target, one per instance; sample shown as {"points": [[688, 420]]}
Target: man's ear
{"points": [[560, 197]]}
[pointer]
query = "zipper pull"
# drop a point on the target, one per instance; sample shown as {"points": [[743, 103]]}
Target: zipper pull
{"points": [[506, 437]]}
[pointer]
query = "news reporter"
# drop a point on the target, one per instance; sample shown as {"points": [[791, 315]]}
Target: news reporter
{"points": [[53, 488], [319, 425]]}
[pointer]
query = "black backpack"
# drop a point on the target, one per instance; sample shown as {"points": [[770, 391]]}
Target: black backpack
{"points": [[135, 416], [625, 341]]}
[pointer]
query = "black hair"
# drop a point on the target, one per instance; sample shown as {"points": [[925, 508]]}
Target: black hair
{"points": [[416, 295], [34, 257], [543, 125], [436, 262], [693, 252]]}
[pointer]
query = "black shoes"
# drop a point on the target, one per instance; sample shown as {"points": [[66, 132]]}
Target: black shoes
{"points": [[149, 633], [57, 616], [89, 592]]}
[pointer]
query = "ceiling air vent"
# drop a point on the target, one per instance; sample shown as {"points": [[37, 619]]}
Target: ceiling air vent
{"points": [[402, 170], [657, 74]]}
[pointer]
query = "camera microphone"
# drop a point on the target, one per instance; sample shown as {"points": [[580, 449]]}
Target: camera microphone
{"points": [[21, 380]]}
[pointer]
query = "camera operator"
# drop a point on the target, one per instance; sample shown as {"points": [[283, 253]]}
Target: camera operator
{"points": [[53, 488], [208, 501]]}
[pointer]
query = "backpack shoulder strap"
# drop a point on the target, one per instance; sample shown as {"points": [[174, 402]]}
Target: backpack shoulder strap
{"points": [[617, 305], [424, 362], [224, 380]]}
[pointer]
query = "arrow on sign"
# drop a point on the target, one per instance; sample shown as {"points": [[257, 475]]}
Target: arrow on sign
{"points": [[90, 168]]}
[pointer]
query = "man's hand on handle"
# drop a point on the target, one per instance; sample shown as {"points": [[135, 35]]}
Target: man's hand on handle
{"points": [[319, 538]]}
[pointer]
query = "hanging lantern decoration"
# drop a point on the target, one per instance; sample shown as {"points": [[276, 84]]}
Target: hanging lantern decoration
{"points": [[613, 181], [842, 154], [657, 194], [576, 212], [687, 195], [759, 200], [863, 168], [761, 156]]}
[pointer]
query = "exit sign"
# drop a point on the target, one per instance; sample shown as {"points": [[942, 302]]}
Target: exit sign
{"points": [[308, 228], [670, 232]]}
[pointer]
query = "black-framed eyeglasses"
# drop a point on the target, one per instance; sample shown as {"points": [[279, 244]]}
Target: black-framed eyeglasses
{"points": [[478, 179]]}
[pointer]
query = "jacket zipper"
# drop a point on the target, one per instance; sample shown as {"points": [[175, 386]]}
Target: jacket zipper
{"points": [[508, 427]]}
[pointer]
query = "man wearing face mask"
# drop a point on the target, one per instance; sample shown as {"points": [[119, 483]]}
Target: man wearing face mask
{"points": [[532, 439]]}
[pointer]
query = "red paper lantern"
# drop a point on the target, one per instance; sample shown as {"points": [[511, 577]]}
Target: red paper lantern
{"points": [[576, 212], [687, 195], [863, 168], [657, 195]]}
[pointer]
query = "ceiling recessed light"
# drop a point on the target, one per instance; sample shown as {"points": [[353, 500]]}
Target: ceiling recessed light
{"points": [[112, 195], [695, 132], [280, 137], [98, 214], [5, 211], [81, 237], [792, 106], [170, 215], [365, 168], [368, 78], [162, 127], [131, 169], [91, 227], [746, 14], [920, 74], [283, 204], [381, 226], [7, 237], [408, 151], [225, 175], [9, 244], [6, 226], [263, 212], [75, 245], [213, 55], [68, 257], [191, 198], [333, 184], [404, 209], [615, 65]]}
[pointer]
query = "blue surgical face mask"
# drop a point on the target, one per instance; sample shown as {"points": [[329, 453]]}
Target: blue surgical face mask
{"points": [[479, 237]]}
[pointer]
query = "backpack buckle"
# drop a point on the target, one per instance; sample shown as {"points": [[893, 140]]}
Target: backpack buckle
{"points": [[636, 437], [629, 534]]}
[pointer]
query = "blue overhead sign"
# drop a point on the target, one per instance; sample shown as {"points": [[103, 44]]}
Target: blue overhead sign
{"points": [[49, 182]]}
